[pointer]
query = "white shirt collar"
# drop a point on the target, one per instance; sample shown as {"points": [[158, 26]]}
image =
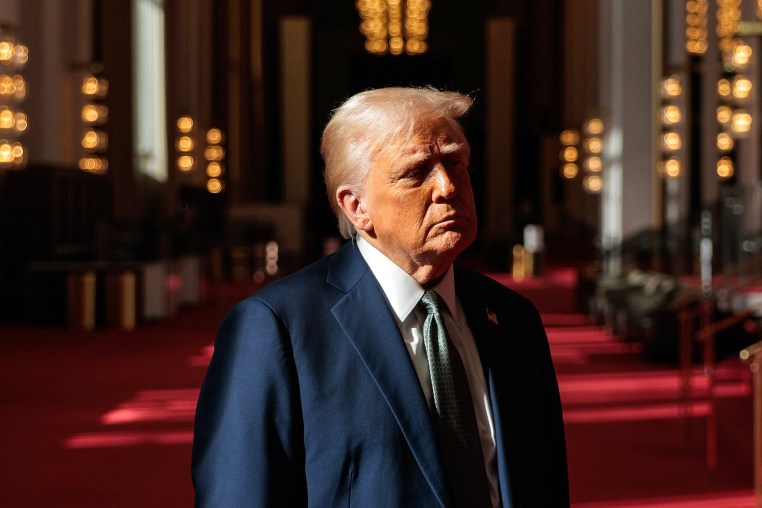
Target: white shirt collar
{"points": [[402, 291]]}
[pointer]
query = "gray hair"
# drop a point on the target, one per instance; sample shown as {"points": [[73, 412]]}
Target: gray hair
{"points": [[372, 121]]}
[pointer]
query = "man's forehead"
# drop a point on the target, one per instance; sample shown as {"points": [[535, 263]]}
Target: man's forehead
{"points": [[422, 147], [445, 139]]}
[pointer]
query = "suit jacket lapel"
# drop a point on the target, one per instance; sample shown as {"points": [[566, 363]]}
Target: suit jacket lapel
{"points": [[486, 329], [483, 323], [377, 340]]}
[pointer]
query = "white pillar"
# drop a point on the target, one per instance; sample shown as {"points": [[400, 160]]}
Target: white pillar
{"points": [[627, 93], [149, 90]]}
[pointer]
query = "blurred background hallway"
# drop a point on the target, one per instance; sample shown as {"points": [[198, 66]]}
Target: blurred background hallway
{"points": [[159, 161]]}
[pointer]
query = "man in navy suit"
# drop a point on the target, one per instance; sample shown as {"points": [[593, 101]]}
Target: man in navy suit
{"points": [[319, 392]]}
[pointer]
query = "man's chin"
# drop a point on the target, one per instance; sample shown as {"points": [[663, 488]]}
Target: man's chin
{"points": [[452, 242]]}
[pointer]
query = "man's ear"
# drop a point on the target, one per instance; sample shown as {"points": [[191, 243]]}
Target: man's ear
{"points": [[351, 203]]}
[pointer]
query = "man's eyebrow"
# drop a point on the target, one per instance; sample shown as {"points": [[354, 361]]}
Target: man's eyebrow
{"points": [[419, 154], [411, 159], [448, 148]]}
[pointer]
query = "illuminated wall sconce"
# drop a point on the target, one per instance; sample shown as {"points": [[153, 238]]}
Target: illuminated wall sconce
{"points": [[185, 144], [725, 142], [670, 167], [13, 91], [696, 26], [741, 122], [214, 154], [569, 154], [94, 141], [741, 87], [583, 153], [592, 164], [592, 184], [671, 120], [725, 168], [724, 115], [394, 26], [734, 88], [728, 17]]}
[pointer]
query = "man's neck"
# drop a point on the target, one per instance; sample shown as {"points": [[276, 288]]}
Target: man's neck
{"points": [[426, 274]]}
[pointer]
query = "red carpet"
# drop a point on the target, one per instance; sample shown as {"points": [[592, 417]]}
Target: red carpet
{"points": [[104, 418]]}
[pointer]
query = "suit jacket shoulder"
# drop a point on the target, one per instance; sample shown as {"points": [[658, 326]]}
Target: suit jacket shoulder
{"points": [[311, 399]]}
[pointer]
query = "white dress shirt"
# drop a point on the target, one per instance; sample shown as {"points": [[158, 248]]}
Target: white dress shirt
{"points": [[403, 294]]}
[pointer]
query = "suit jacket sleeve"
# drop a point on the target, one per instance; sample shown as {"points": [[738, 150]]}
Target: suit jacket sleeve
{"points": [[247, 448]]}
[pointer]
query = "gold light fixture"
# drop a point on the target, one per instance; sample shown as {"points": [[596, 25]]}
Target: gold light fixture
{"points": [[670, 167], [741, 54], [214, 186], [733, 88], [394, 26], [569, 154], [671, 87], [13, 90], [671, 115], [725, 142], [725, 167], [741, 87], [593, 164], [93, 86], [724, 88], [94, 141], [671, 118], [724, 115], [728, 18], [741, 122], [581, 152], [671, 141], [696, 26], [569, 170], [592, 184], [593, 127], [214, 154], [185, 144], [592, 146]]}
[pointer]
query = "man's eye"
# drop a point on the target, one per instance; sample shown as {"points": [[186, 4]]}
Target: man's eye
{"points": [[455, 163], [415, 173]]}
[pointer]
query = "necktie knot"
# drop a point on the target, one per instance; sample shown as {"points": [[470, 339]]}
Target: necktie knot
{"points": [[432, 302]]}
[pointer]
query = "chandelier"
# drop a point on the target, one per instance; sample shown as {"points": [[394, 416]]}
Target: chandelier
{"points": [[394, 26]]}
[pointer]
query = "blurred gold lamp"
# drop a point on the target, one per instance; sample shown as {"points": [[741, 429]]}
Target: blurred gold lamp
{"points": [[215, 156], [94, 115], [13, 90], [394, 26], [185, 144]]}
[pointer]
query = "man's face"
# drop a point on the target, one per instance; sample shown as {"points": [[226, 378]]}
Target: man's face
{"points": [[419, 201]]}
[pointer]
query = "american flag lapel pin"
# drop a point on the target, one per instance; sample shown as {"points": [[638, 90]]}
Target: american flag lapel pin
{"points": [[492, 316]]}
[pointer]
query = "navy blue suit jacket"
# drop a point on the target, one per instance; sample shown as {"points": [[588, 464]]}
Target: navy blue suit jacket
{"points": [[311, 398]]}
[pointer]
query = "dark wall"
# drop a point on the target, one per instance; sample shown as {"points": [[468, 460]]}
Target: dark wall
{"points": [[47, 214], [113, 47]]}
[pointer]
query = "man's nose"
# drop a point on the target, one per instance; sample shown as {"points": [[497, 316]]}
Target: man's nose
{"points": [[444, 185]]}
